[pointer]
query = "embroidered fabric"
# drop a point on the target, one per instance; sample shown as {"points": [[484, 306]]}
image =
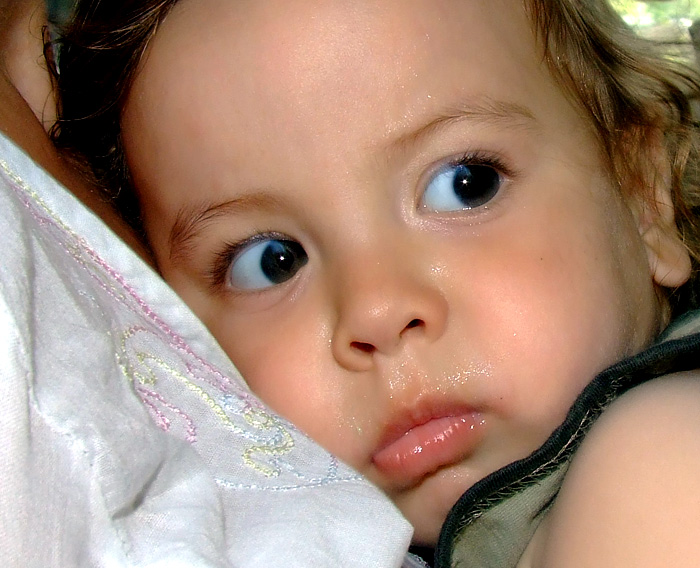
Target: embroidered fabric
{"points": [[412, 561], [492, 523], [128, 438]]}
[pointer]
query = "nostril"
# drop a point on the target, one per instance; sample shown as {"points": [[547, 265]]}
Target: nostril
{"points": [[385, 344], [364, 347], [414, 323]]}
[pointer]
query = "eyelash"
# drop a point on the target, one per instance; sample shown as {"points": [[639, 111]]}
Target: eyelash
{"points": [[483, 158], [492, 160], [221, 264]]}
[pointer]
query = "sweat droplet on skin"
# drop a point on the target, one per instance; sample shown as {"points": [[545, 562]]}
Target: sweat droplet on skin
{"points": [[352, 424], [405, 374], [464, 375]]}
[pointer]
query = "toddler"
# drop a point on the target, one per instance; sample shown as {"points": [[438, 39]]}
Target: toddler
{"points": [[420, 229]]}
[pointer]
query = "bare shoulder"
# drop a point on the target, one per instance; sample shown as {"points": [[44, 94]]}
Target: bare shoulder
{"points": [[632, 495]]}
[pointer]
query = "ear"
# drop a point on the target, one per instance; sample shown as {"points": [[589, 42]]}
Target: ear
{"points": [[669, 259]]}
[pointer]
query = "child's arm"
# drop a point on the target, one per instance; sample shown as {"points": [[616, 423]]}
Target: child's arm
{"points": [[632, 495]]}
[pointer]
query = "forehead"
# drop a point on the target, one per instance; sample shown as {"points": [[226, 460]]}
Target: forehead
{"points": [[337, 55], [295, 37], [318, 74]]}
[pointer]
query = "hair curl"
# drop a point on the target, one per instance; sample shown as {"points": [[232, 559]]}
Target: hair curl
{"points": [[99, 53]]}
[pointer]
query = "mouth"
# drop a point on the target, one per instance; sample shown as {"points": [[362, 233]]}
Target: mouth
{"points": [[414, 448]]}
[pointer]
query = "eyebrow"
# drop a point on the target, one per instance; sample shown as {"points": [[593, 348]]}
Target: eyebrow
{"points": [[191, 220], [486, 110]]}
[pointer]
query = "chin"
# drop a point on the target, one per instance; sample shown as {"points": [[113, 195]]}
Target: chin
{"points": [[427, 505]]}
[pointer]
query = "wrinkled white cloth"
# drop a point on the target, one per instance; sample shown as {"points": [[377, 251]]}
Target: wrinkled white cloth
{"points": [[128, 438]]}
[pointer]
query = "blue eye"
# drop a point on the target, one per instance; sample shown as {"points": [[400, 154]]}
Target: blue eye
{"points": [[461, 186], [266, 263]]}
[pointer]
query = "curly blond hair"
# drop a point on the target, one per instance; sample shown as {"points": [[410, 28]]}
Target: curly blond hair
{"points": [[636, 97]]}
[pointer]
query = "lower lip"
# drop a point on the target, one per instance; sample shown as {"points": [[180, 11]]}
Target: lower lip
{"points": [[426, 448]]}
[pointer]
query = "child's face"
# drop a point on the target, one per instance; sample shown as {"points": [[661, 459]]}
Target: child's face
{"points": [[394, 223]]}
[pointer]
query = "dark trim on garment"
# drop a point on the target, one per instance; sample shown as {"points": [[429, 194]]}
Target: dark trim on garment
{"points": [[662, 358]]}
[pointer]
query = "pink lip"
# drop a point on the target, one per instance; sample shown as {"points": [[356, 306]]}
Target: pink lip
{"points": [[414, 448]]}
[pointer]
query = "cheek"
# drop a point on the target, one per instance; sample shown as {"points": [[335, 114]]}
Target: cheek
{"points": [[556, 306], [286, 362]]}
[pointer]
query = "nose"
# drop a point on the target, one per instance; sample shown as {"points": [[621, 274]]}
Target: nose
{"points": [[383, 306]]}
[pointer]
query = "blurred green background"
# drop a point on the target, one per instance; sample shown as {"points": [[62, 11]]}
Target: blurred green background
{"points": [[675, 23], [658, 12]]}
